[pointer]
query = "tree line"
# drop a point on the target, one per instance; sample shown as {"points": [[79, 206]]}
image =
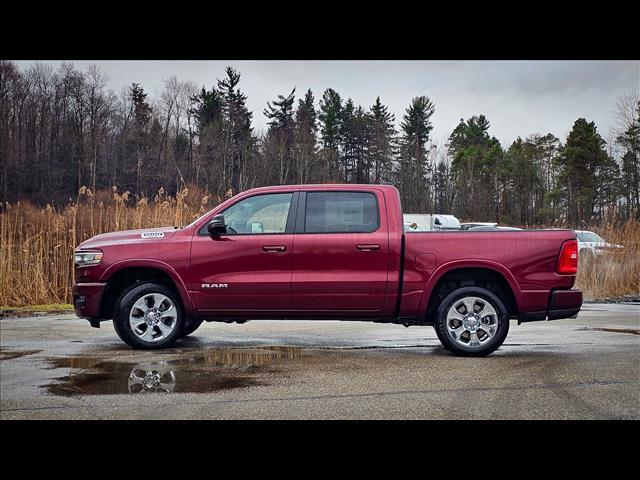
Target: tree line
{"points": [[62, 129]]}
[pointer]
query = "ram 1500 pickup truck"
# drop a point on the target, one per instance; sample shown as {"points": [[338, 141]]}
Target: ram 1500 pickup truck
{"points": [[324, 252]]}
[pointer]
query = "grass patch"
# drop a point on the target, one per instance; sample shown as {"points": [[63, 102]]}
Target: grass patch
{"points": [[29, 310]]}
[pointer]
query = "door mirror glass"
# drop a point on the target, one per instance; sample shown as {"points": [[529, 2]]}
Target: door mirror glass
{"points": [[217, 225]]}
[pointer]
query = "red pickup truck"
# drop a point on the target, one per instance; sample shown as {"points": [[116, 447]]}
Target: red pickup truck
{"points": [[324, 252]]}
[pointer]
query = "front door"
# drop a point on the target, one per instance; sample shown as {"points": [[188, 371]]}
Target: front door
{"points": [[249, 267]]}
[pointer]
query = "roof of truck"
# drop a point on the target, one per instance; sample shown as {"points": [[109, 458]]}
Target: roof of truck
{"points": [[324, 186]]}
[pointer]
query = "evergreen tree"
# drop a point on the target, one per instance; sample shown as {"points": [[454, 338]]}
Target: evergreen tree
{"points": [[348, 141], [479, 169], [520, 162], [382, 146], [305, 139], [206, 109], [442, 188], [238, 140], [629, 140], [142, 117], [280, 136], [583, 163], [416, 126], [330, 117]]}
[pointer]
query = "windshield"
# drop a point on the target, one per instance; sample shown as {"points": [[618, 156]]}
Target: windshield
{"points": [[589, 237]]}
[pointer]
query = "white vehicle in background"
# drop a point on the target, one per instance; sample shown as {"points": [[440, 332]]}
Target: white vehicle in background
{"points": [[591, 244], [495, 228], [414, 222], [469, 225]]}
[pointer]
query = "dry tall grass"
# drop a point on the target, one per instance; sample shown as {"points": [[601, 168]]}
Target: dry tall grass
{"points": [[615, 273], [37, 244]]}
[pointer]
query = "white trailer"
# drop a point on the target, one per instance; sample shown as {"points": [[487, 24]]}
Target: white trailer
{"points": [[414, 222]]}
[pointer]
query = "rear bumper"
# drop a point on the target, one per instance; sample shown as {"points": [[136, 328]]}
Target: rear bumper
{"points": [[87, 298], [562, 304]]}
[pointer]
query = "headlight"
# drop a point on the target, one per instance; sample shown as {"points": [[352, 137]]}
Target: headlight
{"points": [[82, 259]]}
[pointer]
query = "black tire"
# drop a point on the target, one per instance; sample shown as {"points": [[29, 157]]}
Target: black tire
{"points": [[123, 308], [491, 344], [190, 327], [444, 344]]}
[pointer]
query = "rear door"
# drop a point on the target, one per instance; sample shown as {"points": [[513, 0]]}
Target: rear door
{"points": [[340, 252]]}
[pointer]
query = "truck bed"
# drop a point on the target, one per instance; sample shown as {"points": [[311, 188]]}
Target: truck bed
{"points": [[526, 259]]}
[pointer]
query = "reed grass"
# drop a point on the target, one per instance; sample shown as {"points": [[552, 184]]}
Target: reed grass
{"points": [[37, 244]]}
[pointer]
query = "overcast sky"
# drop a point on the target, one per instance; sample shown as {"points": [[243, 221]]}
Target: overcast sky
{"points": [[518, 97]]}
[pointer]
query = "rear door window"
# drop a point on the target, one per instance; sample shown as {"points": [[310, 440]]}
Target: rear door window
{"points": [[341, 212]]}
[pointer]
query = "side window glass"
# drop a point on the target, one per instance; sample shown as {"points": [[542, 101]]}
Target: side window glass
{"points": [[259, 214], [341, 212]]}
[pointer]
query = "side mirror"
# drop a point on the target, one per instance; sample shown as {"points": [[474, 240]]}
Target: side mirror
{"points": [[217, 226]]}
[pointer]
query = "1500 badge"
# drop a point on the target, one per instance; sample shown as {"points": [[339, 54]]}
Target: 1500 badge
{"points": [[215, 285], [152, 234]]}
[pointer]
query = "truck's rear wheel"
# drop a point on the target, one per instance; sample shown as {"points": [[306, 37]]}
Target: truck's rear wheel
{"points": [[472, 322], [148, 316]]}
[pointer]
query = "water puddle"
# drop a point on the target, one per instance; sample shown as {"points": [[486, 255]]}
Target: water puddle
{"points": [[199, 371], [6, 354], [633, 331]]}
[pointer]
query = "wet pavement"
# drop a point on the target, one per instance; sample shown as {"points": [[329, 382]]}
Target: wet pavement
{"points": [[58, 367]]}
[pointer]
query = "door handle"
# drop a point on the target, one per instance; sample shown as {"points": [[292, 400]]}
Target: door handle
{"points": [[368, 247], [274, 248]]}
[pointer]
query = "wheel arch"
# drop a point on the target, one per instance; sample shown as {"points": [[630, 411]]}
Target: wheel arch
{"points": [[124, 274], [494, 277]]}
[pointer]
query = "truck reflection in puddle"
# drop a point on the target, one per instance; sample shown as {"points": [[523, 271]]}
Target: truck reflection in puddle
{"points": [[199, 371], [152, 378]]}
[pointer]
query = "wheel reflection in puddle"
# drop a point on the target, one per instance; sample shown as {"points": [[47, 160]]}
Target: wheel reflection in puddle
{"points": [[156, 377]]}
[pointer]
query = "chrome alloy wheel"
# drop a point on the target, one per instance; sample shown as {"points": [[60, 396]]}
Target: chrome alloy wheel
{"points": [[153, 317], [472, 321]]}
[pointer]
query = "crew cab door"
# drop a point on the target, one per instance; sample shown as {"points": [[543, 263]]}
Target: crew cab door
{"points": [[249, 267], [340, 253]]}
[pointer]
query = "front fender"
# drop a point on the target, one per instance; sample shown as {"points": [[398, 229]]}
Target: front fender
{"points": [[158, 265]]}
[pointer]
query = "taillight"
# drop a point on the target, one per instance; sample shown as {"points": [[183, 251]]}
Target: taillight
{"points": [[568, 259]]}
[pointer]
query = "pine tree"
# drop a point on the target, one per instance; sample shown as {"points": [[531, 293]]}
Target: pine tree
{"points": [[347, 141], [206, 109], [416, 126], [280, 136], [479, 169], [330, 117], [629, 140], [305, 139], [442, 188], [142, 117], [583, 164], [382, 146], [524, 179], [238, 140]]}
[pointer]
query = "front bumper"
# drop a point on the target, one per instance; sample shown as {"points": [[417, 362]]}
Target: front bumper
{"points": [[87, 298]]}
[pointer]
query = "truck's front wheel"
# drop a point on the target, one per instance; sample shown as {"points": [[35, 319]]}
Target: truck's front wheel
{"points": [[191, 327], [148, 316], [472, 322]]}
